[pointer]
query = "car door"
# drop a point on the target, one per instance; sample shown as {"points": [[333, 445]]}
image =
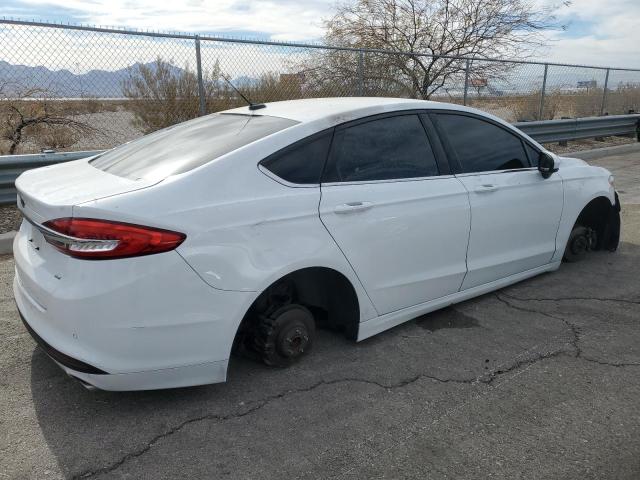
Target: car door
{"points": [[402, 225], [515, 212]]}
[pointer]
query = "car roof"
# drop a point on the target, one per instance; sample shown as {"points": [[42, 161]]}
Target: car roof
{"points": [[316, 114], [339, 109]]}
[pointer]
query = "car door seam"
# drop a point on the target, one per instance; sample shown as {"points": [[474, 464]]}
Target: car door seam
{"points": [[555, 243], [466, 258], [343, 254]]}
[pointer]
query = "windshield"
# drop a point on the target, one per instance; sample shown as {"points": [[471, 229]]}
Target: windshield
{"points": [[188, 145]]}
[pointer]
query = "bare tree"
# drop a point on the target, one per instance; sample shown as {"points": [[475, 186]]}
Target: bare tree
{"points": [[30, 113], [428, 32]]}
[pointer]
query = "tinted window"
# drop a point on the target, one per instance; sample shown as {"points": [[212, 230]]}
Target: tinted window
{"points": [[187, 145], [302, 162], [534, 154], [389, 148], [481, 146]]}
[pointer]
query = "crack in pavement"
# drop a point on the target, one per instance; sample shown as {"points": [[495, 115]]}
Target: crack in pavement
{"points": [[259, 404], [610, 364], [486, 378], [565, 299], [575, 331]]}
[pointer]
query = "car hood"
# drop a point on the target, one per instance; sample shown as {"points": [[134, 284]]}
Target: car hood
{"points": [[570, 162]]}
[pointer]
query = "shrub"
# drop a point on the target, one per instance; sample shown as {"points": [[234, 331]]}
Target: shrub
{"points": [[25, 118]]}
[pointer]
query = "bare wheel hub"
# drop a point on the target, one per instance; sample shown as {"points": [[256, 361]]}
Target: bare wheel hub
{"points": [[584, 242], [580, 245], [293, 341]]}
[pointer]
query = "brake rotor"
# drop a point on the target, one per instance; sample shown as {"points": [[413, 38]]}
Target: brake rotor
{"points": [[293, 341]]}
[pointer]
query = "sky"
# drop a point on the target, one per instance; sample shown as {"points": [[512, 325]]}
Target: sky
{"points": [[599, 32]]}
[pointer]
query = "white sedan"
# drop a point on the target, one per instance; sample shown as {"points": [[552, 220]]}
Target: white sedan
{"points": [[144, 267]]}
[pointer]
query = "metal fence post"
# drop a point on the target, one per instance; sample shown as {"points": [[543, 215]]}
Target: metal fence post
{"points": [[466, 81], [542, 93], [360, 73], [201, 95], [604, 93]]}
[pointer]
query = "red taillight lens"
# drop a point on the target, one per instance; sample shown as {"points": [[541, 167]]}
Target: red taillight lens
{"points": [[103, 239]]}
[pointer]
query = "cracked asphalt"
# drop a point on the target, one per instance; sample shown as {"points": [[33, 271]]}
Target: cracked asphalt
{"points": [[538, 380]]}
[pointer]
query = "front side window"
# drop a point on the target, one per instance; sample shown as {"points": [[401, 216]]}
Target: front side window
{"points": [[481, 146], [188, 145], [534, 155], [385, 149]]}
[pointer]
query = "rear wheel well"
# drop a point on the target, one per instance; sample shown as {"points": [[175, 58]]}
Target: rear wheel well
{"points": [[327, 293], [596, 215]]}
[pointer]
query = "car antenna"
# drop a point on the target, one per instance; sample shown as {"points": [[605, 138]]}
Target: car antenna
{"points": [[252, 106]]}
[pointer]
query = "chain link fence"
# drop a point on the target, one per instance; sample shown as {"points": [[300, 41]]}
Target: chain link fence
{"points": [[83, 88]]}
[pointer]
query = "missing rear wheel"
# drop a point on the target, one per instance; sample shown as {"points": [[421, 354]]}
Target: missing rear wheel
{"points": [[285, 335]]}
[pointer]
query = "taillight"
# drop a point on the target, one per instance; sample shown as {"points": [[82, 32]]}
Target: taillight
{"points": [[103, 239]]}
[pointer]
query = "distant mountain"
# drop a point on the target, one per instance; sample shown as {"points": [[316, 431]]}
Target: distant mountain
{"points": [[64, 84]]}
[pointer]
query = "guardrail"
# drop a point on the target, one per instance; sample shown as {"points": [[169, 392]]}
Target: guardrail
{"points": [[547, 131], [551, 131]]}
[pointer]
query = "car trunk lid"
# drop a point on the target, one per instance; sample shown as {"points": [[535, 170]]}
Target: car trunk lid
{"points": [[51, 192]]}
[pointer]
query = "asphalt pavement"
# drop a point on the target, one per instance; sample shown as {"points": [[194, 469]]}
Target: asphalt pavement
{"points": [[540, 380]]}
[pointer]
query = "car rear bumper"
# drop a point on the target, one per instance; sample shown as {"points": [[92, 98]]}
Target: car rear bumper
{"points": [[142, 323], [61, 359], [91, 377]]}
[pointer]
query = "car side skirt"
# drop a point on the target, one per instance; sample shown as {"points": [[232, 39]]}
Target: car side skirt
{"points": [[376, 325]]}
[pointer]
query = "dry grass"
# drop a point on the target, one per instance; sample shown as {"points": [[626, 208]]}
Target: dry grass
{"points": [[559, 104], [527, 107]]}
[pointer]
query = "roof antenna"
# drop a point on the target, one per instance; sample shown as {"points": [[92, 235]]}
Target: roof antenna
{"points": [[252, 106]]}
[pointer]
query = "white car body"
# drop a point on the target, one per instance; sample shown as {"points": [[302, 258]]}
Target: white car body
{"points": [[406, 246]]}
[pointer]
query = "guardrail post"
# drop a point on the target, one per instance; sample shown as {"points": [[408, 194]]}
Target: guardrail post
{"points": [[466, 81], [360, 73], [201, 95], [604, 93], [542, 92]]}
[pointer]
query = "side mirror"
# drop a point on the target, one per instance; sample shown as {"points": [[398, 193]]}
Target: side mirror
{"points": [[546, 165]]}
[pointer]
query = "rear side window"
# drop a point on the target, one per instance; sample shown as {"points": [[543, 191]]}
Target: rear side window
{"points": [[303, 161], [187, 145], [482, 146], [384, 149]]}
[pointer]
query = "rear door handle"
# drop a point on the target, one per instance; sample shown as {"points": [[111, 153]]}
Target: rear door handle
{"points": [[486, 188], [352, 207]]}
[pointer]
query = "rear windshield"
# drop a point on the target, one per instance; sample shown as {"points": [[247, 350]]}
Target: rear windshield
{"points": [[188, 145]]}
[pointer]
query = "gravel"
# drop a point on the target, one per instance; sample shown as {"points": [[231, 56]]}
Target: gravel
{"points": [[10, 218], [111, 129], [589, 144]]}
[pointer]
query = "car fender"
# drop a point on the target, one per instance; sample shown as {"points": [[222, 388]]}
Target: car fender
{"points": [[581, 185]]}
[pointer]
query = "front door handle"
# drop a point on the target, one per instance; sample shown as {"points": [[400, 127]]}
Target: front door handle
{"points": [[352, 207], [486, 188]]}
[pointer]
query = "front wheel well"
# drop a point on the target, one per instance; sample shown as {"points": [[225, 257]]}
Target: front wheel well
{"points": [[604, 219], [327, 293]]}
